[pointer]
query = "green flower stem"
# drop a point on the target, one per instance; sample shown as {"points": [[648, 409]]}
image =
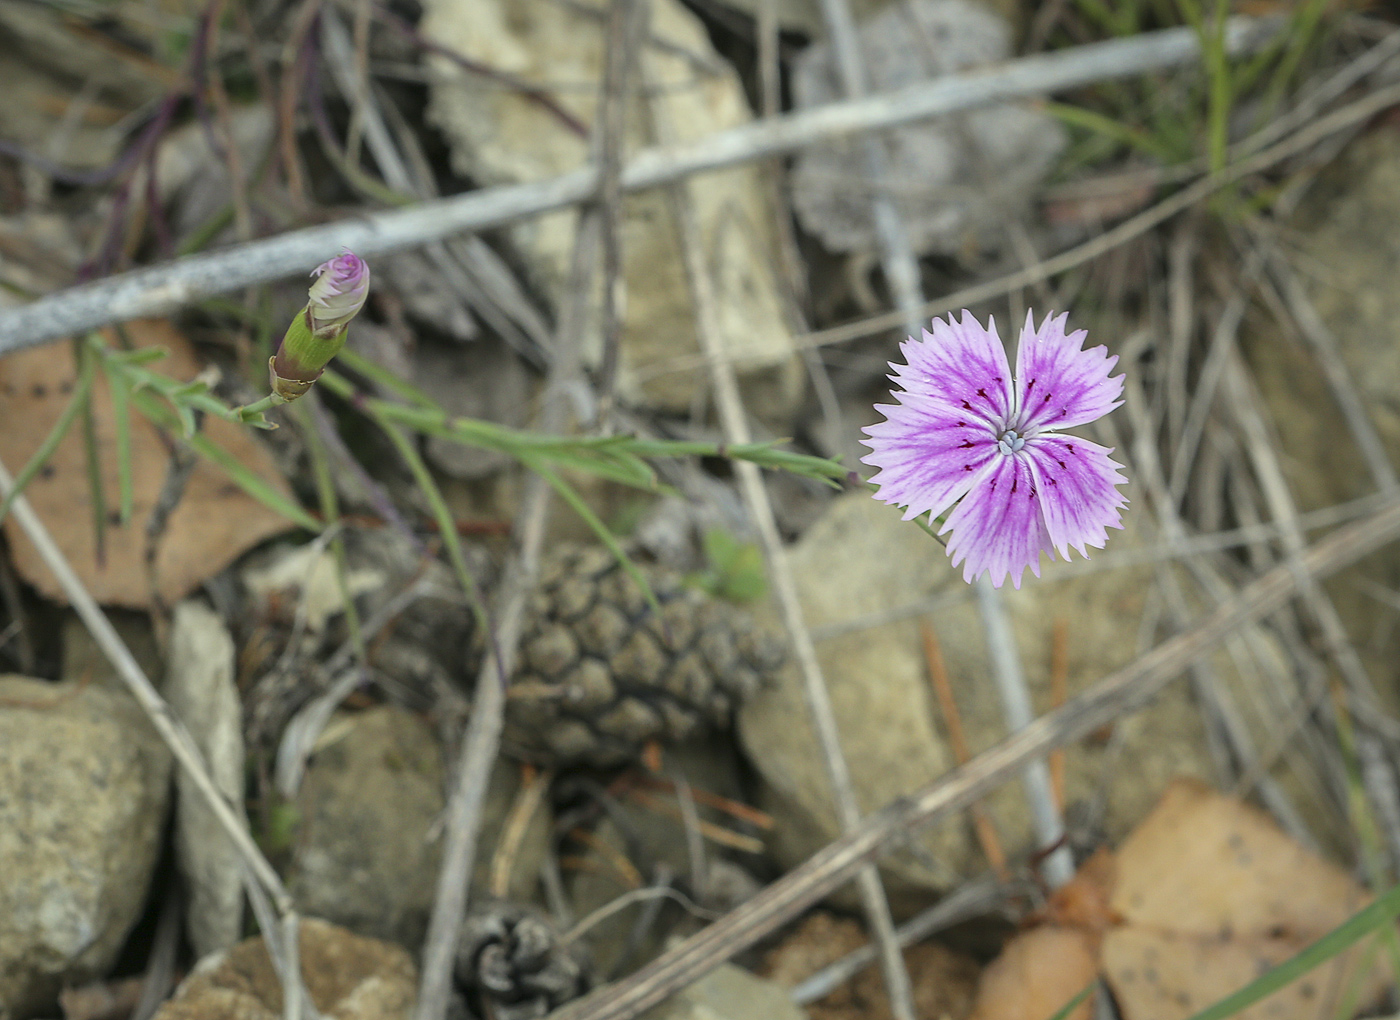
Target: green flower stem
{"points": [[447, 526], [252, 414], [330, 516], [618, 458]]}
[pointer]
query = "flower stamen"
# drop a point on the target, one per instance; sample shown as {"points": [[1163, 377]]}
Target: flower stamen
{"points": [[1010, 442]]}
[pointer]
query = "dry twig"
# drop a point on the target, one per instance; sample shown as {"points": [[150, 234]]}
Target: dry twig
{"points": [[160, 289]]}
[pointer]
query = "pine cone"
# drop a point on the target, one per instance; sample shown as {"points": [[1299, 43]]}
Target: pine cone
{"points": [[513, 965], [600, 674]]}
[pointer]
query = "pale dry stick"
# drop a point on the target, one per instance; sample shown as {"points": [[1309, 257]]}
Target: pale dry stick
{"points": [[1329, 359], [625, 900], [792, 269], [1338, 120], [735, 426], [626, 21], [1213, 696], [1208, 382], [897, 258], [1364, 702], [1122, 692], [392, 166], [302, 731], [1049, 828], [1112, 559], [982, 823], [1181, 321], [478, 755], [976, 898], [1245, 403], [172, 731], [158, 290], [1059, 691], [482, 740], [902, 274], [517, 822]]}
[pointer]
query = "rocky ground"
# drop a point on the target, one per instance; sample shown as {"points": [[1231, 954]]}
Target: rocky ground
{"points": [[297, 596]]}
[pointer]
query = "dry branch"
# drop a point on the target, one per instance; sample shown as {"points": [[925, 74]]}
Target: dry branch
{"points": [[1122, 692], [158, 290]]}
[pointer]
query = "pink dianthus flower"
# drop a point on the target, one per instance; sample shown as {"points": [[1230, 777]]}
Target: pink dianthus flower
{"points": [[964, 430]]}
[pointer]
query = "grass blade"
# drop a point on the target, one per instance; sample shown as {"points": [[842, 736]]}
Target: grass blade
{"points": [[237, 471], [120, 389], [570, 495], [88, 358], [1365, 922], [81, 392], [447, 526]]}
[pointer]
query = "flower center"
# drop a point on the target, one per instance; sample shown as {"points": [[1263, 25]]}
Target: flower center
{"points": [[1010, 442]]}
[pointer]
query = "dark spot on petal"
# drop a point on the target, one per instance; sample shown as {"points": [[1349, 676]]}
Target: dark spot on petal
{"points": [[1061, 463], [1030, 386], [1069, 448], [1053, 482], [1047, 398], [961, 424], [966, 444], [1015, 482], [968, 467], [982, 393], [967, 406]]}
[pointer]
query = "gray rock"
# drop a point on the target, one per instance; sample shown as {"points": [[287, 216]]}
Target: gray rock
{"points": [[500, 136], [347, 977], [861, 560], [366, 853], [956, 180], [84, 785], [729, 993], [200, 688]]}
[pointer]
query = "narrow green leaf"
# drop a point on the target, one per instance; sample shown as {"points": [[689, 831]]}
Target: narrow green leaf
{"points": [[383, 377], [76, 403], [1364, 922], [88, 358], [447, 526], [120, 389], [1073, 1003], [237, 472], [571, 496]]}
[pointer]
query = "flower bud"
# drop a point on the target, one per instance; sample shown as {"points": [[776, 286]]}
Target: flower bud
{"points": [[341, 286], [318, 332]]}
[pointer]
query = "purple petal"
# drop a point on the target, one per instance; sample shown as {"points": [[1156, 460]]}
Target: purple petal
{"points": [[1077, 482], [998, 526], [961, 365], [1061, 385], [928, 454]]}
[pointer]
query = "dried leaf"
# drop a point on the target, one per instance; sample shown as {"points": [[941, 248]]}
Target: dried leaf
{"points": [[213, 525], [1203, 863], [1212, 895], [1164, 975], [1037, 973]]}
